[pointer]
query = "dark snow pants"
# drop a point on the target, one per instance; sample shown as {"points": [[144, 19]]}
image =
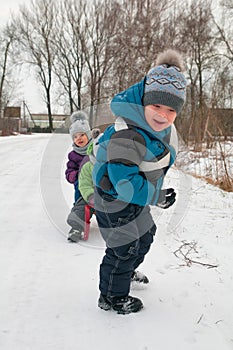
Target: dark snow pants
{"points": [[128, 231]]}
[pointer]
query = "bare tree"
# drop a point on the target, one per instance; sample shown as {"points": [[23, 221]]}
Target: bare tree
{"points": [[199, 44], [70, 58], [97, 44], [34, 26], [222, 91], [96, 49], [145, 28], [225, 29], [6, 39]]}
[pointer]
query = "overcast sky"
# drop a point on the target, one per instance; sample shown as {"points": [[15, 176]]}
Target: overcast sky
{"points": [[8, 6]]}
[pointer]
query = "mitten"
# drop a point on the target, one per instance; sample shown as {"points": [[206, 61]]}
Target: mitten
{"points": [[91, 200], [166, 198], [72, 176]]}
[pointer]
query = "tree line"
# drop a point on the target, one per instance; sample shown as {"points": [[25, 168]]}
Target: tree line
{"points": [[83, 52]]}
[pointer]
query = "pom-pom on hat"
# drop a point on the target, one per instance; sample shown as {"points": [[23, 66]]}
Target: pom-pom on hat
{"points": [[93, 147], [165, 83], [79, 123]]}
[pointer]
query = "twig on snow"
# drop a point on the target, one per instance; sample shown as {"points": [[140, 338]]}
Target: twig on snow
{"points": [[200, 318], [185, 249]]}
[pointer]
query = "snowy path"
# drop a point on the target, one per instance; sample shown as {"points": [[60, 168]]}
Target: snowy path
{"points": [[49, 288]]}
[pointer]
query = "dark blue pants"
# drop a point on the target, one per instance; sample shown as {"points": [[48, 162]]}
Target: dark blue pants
{"points": [[77, 193], [128, 231]]}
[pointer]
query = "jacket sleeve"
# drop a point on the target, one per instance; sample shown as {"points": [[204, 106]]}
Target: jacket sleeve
{"points": [[72, 170], [86, 186], [126, 150]]}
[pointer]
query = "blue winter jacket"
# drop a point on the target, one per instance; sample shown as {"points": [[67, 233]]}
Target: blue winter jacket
{"points": [[132, 159]]}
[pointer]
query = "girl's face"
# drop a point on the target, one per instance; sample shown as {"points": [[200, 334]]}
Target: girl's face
{"points": [[159, 117], [80, 139]]}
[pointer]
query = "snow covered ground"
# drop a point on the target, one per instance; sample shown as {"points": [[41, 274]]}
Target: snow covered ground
{"points": [[212, 162], [49, 288]]}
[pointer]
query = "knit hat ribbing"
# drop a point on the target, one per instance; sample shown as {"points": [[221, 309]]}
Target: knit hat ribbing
{"points": [[165, 84], [80, 123]]}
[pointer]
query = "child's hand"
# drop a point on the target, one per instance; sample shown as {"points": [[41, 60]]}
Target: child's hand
{"points": [[166, 198], [91, 200]]}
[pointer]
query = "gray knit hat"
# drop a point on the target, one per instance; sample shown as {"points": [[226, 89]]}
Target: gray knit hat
{"points": [[79, 123], [165, 84]]}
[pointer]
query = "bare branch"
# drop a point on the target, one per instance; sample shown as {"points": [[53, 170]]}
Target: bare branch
{"points": [[186, 249]]}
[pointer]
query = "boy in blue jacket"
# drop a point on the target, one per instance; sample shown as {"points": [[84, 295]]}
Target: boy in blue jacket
{"points": [[132, 159]]}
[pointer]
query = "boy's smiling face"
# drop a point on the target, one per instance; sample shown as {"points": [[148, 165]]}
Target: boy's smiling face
{"points": [[159, 117]]}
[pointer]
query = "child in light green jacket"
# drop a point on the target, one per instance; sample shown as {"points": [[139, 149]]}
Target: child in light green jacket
{"points": [[86, 186], [76, 218]]}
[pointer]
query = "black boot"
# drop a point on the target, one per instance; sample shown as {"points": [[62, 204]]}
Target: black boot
{"points": [[139, 277], [74, 235], [103, 303], [123, 305]]}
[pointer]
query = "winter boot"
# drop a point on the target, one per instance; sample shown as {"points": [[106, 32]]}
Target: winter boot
{"points": [[74, 235], [123, 305], [139, 277], [104, 303]]}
